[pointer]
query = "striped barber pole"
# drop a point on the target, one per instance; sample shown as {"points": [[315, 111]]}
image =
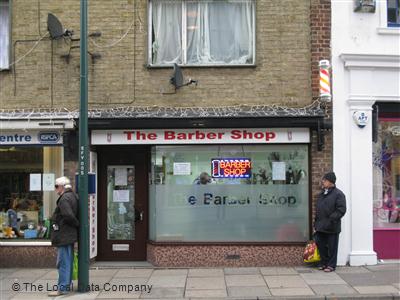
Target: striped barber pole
{"points": [[324, 81]]}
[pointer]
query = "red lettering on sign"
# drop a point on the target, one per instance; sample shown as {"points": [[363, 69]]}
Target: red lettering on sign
{"points": [[128, 134], [169, 135]]}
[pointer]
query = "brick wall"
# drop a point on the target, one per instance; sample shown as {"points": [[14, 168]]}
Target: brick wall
{"points": [[120, 77], [320, 16]]}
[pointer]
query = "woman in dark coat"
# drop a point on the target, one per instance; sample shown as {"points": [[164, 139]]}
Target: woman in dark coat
{"points": [[64, 233], [331, 207]]}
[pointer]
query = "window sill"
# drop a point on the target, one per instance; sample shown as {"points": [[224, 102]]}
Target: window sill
{"points": [[150, 66], [24, 243], [389, 30]]}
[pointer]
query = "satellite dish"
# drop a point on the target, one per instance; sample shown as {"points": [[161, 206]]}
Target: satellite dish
{"points": [[55, 27], [177, 77]]}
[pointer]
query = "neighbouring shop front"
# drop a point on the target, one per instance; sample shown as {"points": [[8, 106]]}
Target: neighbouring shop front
{"points": [[203, 196], [30, 160], [386, 176]]}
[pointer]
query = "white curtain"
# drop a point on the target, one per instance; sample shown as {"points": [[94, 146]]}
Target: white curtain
{"points": [[220, 32], [167, 32], [4, 35]]}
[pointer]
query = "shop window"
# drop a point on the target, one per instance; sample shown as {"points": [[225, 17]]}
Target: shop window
{"points": [[260, 193], [212, 32], [27, 197], [386, 158], [393, 13], [4, 34]]}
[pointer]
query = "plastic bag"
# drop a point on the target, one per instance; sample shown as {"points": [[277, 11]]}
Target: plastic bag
{"points": [[311, 253], [75, 267]]}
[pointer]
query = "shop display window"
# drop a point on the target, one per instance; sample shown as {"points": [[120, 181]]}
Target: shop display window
{"points": [[386, 162], [229, 193], [27, 197]]}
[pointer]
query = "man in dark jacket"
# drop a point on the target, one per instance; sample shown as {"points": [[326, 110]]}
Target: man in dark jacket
{"points": [[64, 233], [331, 207]]}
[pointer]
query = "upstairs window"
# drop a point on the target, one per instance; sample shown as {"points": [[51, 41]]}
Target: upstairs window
{"points": [[4, 34], [212, 32], [393, 13]]}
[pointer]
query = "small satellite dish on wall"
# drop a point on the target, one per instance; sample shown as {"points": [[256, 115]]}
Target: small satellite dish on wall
{"points": [[55, 28], [177, 78]]}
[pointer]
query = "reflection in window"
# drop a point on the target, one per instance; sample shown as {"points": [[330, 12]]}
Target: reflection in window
{"points": [[188, 204], [386, 159], [25, 210], [393, 13]]}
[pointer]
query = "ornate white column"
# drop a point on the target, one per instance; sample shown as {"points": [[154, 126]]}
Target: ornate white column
{"points": [[360, 197]]}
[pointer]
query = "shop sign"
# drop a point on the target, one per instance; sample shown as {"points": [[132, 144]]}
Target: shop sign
{"points": [[200, 136], [231, 167], [31, 137]]}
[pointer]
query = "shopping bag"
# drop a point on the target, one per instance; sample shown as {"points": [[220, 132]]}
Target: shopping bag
{"points": [[75, 267], [311, 253]]}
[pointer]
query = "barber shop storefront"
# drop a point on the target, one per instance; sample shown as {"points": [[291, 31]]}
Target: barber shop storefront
{"points": [[203, 197]]}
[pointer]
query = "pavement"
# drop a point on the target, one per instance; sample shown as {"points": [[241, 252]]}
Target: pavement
{"points": [[380, 281]]}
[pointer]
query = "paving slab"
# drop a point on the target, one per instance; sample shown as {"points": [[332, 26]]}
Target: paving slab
{"points": [[241, 271], [6, 284], [278, 271], [30, 296], [206, 294], [163, 293], [52, 274], [248, 292], [376, 289], [336, 289], [78, 296], [123, 273], [167, 281], [244, 280], [373, 278], [285, 281], [128, 281], [102, 273], [28, 273], [206, 273], [170, 272], [118, 295], [352, 270], [322, 278], [384, 267], [205, 283], [304, 291], [7, 295]]}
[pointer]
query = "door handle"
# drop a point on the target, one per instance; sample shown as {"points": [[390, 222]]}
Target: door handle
{"points": [[141, 216]]}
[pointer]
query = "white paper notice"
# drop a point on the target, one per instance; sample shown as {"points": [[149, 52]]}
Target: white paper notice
{"points": [[183, 168], [278, 170], [48, 182], [35, 182], [121, 196], [121, 176]]}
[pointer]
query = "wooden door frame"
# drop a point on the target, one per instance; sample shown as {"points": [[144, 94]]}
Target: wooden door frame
{"points": [[115, 155]]}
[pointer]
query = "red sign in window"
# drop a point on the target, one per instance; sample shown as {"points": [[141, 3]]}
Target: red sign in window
{"points": [[231, 167]]}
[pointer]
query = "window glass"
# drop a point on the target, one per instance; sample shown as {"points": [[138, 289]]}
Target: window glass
{"points": [[393, 13], [4, 34], [386, 158], [202, 32], [27, 197], [188, 204]]}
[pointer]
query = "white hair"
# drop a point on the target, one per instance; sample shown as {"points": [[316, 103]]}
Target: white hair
{"points": [[64, 181]]}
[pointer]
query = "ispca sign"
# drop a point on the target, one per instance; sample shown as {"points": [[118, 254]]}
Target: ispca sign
{"points": [[31, 137]]}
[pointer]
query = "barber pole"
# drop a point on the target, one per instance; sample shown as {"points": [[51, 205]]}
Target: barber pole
{"points": [[324, 81]]}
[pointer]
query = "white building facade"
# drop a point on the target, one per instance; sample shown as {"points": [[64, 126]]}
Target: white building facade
{"points": [[366, 127]]}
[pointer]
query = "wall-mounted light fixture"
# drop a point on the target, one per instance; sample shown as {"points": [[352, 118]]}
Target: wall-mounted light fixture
{"points": [[367, 6]]}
